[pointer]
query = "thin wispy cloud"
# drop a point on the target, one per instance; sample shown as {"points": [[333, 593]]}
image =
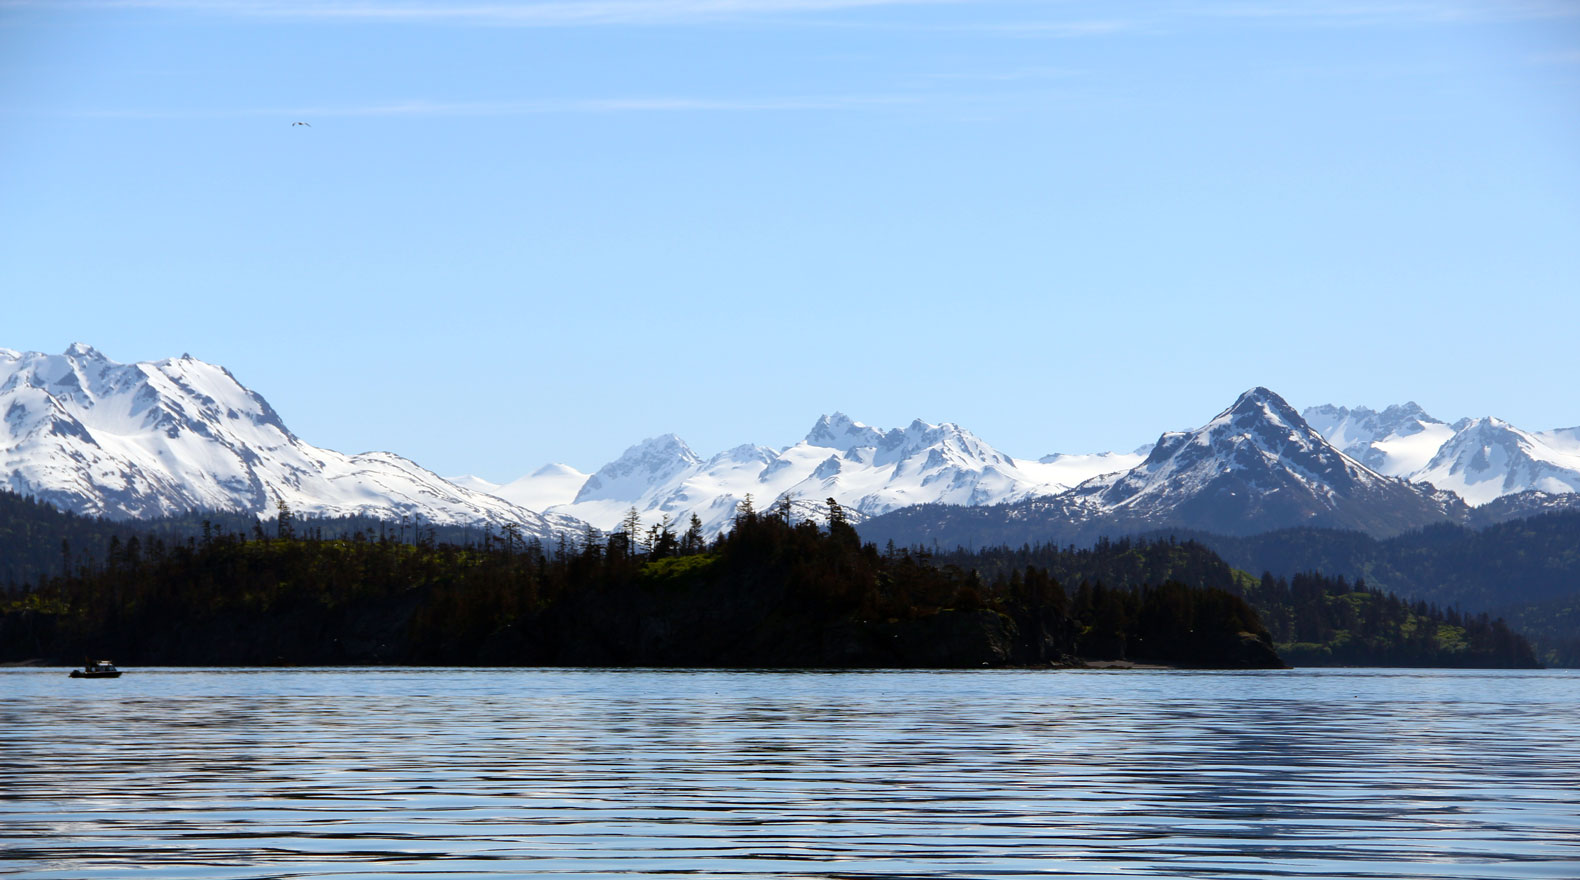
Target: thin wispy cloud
{"points": [[534, 13], [566, 13], [416, 108], [1326, 12]]}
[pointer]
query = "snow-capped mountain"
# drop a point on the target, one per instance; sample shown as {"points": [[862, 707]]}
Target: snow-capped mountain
{"points": [[545, 487], [1064, 469], [1489, 458], [145, 439], [1255, 467], [1479, 459], [1398, 441], [98, 437], [867, 470], [1258, 465]]}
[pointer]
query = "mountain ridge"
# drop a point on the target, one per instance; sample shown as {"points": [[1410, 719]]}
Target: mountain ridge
{"points": [[180, 435], [868, 470], [1256, 466], [1479, 459]]}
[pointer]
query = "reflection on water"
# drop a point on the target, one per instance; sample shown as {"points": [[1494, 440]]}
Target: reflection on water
{"points": [[462, 773]]}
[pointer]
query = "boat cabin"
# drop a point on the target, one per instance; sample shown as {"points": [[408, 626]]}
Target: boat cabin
{"points": [[97, 669]]}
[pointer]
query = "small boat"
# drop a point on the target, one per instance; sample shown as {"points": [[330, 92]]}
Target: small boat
{"points": [[100, 669]]}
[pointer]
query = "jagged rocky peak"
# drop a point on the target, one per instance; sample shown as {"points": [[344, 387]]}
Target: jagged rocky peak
{"points": [[865, 468], [1259, 443], [1262, 405], [1169, 442], [1257, 465], [1397, 441], [1488, 458], [746, 453], [898, 445], [653, 461], [919, 435], [83, 351], [1258, 422], [669, 445], [1345, 426], [1404, 415], [1478, 445], [1324, 417], [839, 431], [661, 448], [1485, 427], [829, 468]]}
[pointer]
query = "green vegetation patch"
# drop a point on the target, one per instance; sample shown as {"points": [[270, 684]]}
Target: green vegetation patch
{"points": [[675, 570]]}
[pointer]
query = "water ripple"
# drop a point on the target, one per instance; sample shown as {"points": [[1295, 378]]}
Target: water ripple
{"points": [[578, 773]]}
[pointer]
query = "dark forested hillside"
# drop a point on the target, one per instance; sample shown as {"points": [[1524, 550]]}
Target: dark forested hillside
{"points": [[1314, 620], [38, 540], [409, 592], [768, 594], [1125, 561], [1525, 570], [1319, 621]]}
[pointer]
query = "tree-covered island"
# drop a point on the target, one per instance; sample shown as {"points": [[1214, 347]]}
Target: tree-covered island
{"points": [[770, 593]]}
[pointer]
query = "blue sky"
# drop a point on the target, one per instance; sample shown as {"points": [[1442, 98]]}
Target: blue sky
{"points": [[518, 232]]}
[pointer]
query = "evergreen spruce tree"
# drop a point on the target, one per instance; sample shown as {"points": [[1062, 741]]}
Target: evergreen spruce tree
{"points": [[693, 541]]}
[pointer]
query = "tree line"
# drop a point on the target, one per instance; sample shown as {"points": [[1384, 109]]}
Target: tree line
{"points": [[771, 591], [1525, 570], [1314, 619]]}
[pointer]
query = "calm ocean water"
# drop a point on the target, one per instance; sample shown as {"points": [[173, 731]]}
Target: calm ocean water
{"points": [[595, 773]]}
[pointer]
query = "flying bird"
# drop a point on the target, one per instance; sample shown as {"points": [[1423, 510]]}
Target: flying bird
{"points": [[295, 124]]}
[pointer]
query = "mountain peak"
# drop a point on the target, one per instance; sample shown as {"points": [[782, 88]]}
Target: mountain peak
{"points": [[1261, 414], [1397, 441], [1260, 432], [1486, 425], [664, 452], [1408, 408], [83, 351], [839, 431], [666, 442], [555, 469], [1264, 401], [185, 436], [1489, 458], [744, 454], [1257, 464], [655, 460]]}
